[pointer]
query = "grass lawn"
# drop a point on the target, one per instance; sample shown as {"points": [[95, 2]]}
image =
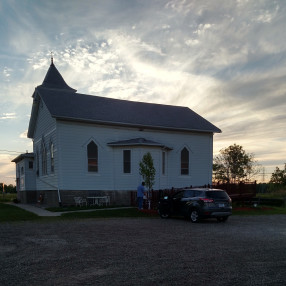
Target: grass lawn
{"points": [[9, 213], [6, 198], [77, 208], [260, 210], [281, 194], [130, 212]]}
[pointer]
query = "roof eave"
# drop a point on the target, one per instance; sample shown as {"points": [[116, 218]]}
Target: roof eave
{"points": [[33, 117], [140, 126]]}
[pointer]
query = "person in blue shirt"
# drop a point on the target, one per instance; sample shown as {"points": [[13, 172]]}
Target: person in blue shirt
{"points": [[140, 195]]}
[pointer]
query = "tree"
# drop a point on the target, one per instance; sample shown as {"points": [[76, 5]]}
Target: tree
{"points": [[234, 165], [147, 170], [7, 188], [279, 176]]}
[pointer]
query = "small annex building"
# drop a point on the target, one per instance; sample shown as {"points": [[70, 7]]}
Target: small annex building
{"points": [[89, 145]]}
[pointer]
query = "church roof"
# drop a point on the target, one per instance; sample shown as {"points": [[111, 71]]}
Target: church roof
{"points": [[23, 156], [54, 79], [82, 107], [66, 105]]}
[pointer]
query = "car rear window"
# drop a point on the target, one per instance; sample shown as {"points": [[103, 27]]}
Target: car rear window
{"points": [[217, 194]]}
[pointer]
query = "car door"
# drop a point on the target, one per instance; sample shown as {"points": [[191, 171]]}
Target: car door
{"points": [[177, 203], [187, 201]]}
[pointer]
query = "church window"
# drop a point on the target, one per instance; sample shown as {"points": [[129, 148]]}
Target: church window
{"points": [[44, 159], [185, 162], [92, 157], [52, 158], [127, 161]]}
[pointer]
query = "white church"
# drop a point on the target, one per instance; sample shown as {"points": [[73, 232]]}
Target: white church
{"points": [[86, 145]]}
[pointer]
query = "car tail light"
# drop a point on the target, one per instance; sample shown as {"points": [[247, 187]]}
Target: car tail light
{"points": [[207, 200]]}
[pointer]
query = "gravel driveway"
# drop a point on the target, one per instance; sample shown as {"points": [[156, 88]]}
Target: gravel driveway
{"points": [[246, 250]]}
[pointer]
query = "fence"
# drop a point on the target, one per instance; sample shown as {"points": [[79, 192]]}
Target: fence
{"points": [[237, 192]]}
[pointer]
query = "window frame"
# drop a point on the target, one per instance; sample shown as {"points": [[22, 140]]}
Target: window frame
{"points": [[44, 160], [92, 159], [127, 161], [185, 162], [37, 163], [163, 163], [52, 157]]}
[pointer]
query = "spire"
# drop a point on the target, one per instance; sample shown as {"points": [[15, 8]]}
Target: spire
{"points": [[54, 79]]}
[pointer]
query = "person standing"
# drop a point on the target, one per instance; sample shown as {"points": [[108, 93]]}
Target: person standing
{"points": [[140, 195]]}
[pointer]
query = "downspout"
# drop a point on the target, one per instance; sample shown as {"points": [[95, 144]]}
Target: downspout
{"points": [[59, 169], [59, 198]]}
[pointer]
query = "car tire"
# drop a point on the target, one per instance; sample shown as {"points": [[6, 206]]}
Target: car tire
{"points": [[194, 215], [164, 215], [222, 218]]}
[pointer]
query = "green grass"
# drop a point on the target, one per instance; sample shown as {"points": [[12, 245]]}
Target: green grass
{"points": [[9, 213], [77, 208], [260, 210], [281, 194], [6, 198], [130, 212]]}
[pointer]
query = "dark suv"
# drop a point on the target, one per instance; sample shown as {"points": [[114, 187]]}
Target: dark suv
{"points": [[196, 204]]}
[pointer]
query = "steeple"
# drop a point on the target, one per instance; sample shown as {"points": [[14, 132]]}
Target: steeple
{"points": [[54, 79]]}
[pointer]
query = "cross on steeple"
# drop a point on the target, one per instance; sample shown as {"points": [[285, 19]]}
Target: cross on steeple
{"points": [[52, 58]]}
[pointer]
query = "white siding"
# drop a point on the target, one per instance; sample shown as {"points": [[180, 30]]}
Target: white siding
{"points": [[46, 132], [72, 169]]}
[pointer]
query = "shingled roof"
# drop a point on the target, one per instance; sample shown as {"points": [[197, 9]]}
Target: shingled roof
{"points": [[66, 105], [54, 79]]}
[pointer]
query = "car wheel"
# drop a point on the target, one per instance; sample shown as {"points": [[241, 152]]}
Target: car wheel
{"points": [[164, 214], [222, 218], [194, 216]]}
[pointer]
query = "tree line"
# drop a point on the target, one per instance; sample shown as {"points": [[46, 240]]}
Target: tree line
{"points": [[7, 188], [235, 165]]}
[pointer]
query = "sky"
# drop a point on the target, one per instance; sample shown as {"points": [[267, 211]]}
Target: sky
{"points": [[225, 60]]}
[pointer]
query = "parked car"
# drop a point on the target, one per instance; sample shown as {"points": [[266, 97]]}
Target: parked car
{"points": [[196, 204]]}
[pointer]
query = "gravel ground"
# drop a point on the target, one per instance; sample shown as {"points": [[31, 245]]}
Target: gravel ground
{"points": [[246, 250]]}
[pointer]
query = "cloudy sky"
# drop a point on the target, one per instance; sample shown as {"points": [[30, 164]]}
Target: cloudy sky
{"points": [[226, 60]]}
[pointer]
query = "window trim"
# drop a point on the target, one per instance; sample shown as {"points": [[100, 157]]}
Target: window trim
{"points": [[127, 163], [52, 157], [163, 163], [90, 158], [44, 159], [37, 163], [185, 162]]}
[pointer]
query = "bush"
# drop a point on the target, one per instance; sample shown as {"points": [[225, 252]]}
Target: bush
{"points": [[272, 202]]}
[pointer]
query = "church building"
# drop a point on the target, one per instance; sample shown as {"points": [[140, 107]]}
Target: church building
{"points": [[86, 145]]}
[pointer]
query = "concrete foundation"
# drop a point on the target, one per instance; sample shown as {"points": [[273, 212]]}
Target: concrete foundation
{"points": [[51, 198]]}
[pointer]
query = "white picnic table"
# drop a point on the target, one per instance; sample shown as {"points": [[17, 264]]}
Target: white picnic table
{"points": [[98, 200]]}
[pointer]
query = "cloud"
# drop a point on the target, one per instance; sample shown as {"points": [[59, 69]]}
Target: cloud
{"points": [[226, 60], [24, 134], [5, 116]]}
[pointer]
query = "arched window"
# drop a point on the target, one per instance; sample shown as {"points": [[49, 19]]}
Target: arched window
{"points": [[44, 159], [52, 157], [38, 163], [92, 157], [185, 162]]}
